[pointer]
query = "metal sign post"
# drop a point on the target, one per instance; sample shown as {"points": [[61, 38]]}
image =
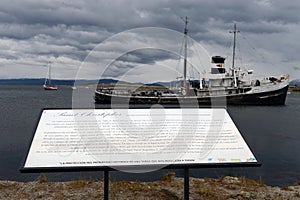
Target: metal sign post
{"points": [[106, 184], [186, 184]]}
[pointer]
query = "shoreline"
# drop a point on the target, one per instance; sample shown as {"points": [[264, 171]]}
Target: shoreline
{"points": [[169, 187]]}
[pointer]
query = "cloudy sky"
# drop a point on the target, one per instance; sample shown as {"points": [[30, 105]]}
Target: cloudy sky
{"points": [[112, 39]]}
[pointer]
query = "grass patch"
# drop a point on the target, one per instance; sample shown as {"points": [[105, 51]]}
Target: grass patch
{"points": [[168, 177], [232, 187], [287, 188], [208, 193], [42, 178], [78, 183], [250, 182], [7, 186]]}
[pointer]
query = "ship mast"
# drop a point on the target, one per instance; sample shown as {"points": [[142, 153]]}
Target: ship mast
{"points": [[185, 53], [235, 31]]}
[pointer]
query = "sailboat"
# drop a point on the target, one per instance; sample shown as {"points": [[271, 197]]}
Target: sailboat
{"points": [[47, 85], [233, 86]]}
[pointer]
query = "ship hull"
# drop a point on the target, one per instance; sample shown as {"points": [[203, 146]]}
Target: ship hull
{"points": [[50, 87], [274, 97]]}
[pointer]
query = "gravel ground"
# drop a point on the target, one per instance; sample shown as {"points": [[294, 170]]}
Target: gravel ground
{"points": [[169, 187]]}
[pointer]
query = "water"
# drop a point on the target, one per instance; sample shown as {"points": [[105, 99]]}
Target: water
{"points": [[272, 132]]}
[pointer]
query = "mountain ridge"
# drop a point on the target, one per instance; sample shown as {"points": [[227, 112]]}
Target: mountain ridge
{"points": [[40, 81]]}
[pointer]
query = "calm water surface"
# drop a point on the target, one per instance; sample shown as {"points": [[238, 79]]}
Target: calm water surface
{"points": [[273, 133]]}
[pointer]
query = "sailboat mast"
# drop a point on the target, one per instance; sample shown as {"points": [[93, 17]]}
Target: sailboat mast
{"points": [[235, 31], [185, 52], [49, 74]]}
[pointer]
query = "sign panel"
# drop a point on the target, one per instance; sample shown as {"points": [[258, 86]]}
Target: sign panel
{"points": [[131, 137]]}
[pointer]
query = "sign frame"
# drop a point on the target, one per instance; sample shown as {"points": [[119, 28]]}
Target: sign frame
{"points": [[24, 169]]}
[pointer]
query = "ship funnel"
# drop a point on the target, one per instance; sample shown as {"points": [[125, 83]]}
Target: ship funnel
{"points": [[218, 67]]}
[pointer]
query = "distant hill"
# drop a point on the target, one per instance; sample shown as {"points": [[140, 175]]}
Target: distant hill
{"points": [[40, 81], [33, 82], [295, 82]]}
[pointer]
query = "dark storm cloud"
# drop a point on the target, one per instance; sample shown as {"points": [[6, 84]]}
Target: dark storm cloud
{"points": [[297, 68], [72, 28], [46, 12], [147, 56], [24, 19], [119, 15]]}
